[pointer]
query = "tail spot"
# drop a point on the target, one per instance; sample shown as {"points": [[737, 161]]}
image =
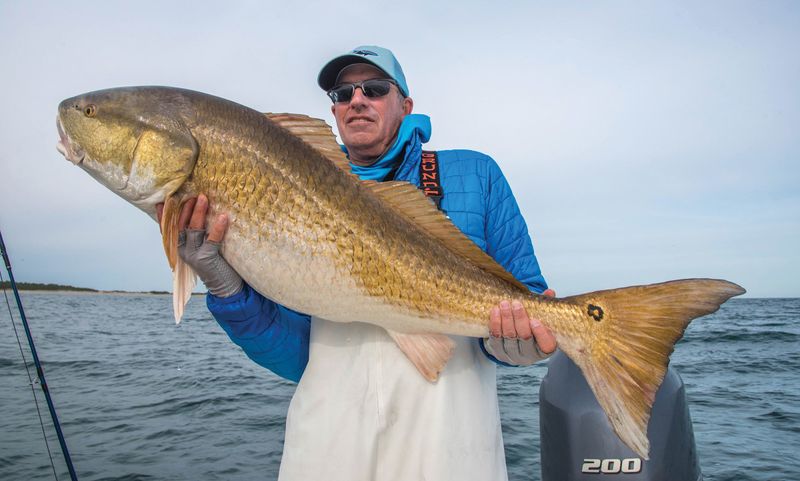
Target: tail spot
{"points": [[595, 312]]}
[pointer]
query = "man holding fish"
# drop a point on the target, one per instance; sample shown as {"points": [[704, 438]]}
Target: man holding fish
{"points": [[361, 410], [334, 266]]}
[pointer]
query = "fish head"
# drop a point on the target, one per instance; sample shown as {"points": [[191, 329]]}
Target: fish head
{"points": [[133, 140]]}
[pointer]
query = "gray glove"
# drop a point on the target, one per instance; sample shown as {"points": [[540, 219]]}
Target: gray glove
{"points": [[203, 256], [514, 351]]}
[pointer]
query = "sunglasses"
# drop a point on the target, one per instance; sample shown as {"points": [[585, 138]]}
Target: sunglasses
{"points": [[372, 89]]}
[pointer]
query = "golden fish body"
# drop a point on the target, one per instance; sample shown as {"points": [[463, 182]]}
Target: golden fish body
{"points": [[309, 235]]}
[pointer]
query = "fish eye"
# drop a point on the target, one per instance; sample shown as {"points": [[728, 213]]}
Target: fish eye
{"points": [[90, 110]]}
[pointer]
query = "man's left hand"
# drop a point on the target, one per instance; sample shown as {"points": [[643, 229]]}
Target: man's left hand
{"points": [[515, 337]]}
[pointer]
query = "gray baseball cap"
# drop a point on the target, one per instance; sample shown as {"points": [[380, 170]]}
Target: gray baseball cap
{"points": [[380, 57]]}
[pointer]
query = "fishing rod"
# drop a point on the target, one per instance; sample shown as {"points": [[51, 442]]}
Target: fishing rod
{"points": [[39, 370]]}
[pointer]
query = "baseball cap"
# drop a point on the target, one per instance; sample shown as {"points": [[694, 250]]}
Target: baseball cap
{"points": [[380, 57]]}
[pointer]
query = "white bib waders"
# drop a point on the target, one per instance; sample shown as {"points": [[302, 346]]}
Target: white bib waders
{"points": [[362, 412]]}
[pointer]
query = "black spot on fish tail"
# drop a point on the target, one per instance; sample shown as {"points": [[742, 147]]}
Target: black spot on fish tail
{"points": [[595, 312]]}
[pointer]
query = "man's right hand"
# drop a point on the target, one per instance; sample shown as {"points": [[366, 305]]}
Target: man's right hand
{"points": [[201, 252]]}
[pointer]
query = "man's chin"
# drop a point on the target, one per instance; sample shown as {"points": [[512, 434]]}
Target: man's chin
{"points": [[362, 132], [361, 142], [364, 154]]}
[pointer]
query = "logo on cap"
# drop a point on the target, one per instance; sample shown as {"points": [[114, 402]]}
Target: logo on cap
{"points": [[364, 52]]}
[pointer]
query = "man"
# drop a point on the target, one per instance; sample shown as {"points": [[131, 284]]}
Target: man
{"points": [[361, 411]]}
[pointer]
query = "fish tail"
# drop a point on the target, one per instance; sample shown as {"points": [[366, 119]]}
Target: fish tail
{"points": [[635, 331]]}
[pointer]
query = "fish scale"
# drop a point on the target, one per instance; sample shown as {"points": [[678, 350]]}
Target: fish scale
{"points": [[308, 234], [382, 258]]}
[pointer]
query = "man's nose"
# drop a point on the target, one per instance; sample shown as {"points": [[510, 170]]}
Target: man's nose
{"points": [[358, 97]]}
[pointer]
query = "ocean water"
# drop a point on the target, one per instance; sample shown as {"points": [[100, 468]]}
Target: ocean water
{"points": [[140, 399]]}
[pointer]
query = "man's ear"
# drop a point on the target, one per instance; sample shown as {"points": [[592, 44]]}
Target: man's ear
{"points": [[408, 105]]}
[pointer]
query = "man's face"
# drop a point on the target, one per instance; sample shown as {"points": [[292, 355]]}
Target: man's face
{"points": [[366, 125]]}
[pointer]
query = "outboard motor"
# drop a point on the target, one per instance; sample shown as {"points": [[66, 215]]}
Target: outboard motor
{"points": [[577, 442]]}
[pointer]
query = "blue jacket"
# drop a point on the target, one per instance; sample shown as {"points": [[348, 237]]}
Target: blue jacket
{"points": [[478, 200]]}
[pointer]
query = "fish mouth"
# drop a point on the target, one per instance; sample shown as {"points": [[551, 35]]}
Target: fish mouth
{"points": [[69, 149]]}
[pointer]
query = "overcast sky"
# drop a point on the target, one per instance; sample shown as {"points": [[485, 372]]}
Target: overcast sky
{"points": [[644, 141]]}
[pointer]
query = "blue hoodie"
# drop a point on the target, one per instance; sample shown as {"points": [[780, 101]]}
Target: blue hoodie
{"points": [[478, 200]]}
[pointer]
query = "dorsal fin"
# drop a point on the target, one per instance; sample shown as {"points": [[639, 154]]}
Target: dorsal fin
{"points": [[405, 198], [412, 203], [314, 132]]}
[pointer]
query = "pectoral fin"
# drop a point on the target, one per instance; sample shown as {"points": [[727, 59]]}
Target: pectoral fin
{"points": [[428, 352], [170, 217], [183, 277], [183, 281]]}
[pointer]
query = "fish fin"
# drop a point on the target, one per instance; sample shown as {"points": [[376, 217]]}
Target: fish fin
{"points": [[633, 332], [314, 132], [170, 229], [183, 277], [416, 207], [429, 353], [404, 197], [183, 281]]}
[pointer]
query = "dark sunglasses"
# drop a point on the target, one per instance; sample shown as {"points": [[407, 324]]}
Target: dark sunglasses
{"points": [[372, 89]]}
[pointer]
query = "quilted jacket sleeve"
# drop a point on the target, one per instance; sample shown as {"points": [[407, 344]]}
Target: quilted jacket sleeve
{"points": [[270, 334], [507, 238]]}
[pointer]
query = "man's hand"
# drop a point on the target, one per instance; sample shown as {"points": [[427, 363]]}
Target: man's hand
{"points": [[516, 338], [201, 253]]}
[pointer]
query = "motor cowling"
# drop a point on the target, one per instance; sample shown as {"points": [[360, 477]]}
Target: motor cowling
{"points": [[577, 442]]}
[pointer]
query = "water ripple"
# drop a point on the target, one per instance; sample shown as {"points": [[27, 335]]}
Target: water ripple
{"points": [[140, 399]]}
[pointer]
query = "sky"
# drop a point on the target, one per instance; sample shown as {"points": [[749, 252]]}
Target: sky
{"points": [[644, 141]]}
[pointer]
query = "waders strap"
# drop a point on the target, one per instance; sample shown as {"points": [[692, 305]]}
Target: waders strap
{"points": [[429, 180]]}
